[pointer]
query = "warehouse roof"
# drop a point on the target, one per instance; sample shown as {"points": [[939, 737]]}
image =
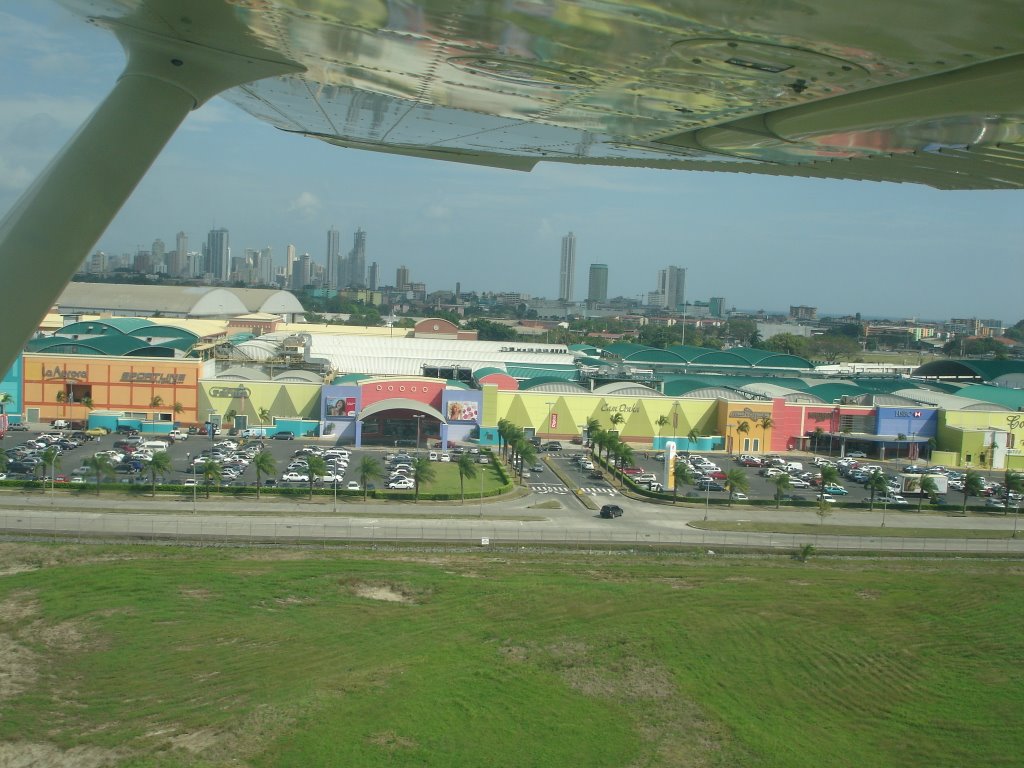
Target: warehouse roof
{"points": [[183, 300]]}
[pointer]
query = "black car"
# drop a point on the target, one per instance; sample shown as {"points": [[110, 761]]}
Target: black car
{"points": [[709, 485], [596, 475], [284, 435], [611, 510], [553, 446]]}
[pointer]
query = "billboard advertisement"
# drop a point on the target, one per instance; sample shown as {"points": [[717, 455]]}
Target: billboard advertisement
{"points": [[462, 410], [340, 407]]}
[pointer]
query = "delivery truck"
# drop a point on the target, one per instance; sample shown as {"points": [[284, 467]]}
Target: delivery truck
{"points": [[910, 484]]}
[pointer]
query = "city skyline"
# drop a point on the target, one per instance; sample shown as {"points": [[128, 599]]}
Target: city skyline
{"points": [[878, 249]]}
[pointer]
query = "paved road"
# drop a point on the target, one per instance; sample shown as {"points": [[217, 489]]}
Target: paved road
{"points": [[503, 522]]}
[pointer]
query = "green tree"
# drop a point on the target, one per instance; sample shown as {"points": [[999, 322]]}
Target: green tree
{"points": [[661, 423], [527, 455], [829, 476], [818, 434], [316, 468], [1013, 482], [264, 464], [211, 474], [264, 416], [156, 401], [973, 483], [876, 484], [51, 458], [928, 487], [617, 420], [765, 423], [824, 510], [682, 474], [100, 467], [159, 464], [369, 468], [624, 457], [467, 470], [423, 473], [736, 480], [782, 484], [741, 429]]}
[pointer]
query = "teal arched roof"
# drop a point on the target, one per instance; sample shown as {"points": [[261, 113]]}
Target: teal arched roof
{"points": [[480, 373], [1011, 398], [624, 349], [828, 393], [653, 355], [98, 345], [986, 370], [540, 381]]}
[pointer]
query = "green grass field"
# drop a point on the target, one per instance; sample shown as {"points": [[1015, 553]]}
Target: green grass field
{"points": [[157, 656]]}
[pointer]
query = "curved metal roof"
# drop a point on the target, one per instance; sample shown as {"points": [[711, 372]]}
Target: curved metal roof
{"points": [[299, 377], [626, 389], [985, 370]]}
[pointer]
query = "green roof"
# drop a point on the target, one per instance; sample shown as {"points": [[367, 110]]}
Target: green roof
{"points": [[349, 378], [521, 372], [986, 370], [1011, 398]]}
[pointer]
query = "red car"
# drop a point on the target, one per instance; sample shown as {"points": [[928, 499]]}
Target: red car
{"points": [[716, 475], [632, 471], [750, 461]]}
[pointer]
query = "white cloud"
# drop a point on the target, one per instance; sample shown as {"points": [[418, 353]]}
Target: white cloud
{"points": [[306, 205]]}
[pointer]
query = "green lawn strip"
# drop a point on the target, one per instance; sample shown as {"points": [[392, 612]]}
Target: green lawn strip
{"points": [[850, 530], [187, 657]]}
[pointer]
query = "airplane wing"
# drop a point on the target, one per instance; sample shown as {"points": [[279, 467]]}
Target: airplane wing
{"points": [[920, 91]]}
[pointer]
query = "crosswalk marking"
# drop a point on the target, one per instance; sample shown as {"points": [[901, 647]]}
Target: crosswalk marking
{"points": [[561, 490]]}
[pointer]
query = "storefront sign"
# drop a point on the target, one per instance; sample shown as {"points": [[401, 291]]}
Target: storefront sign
{"points": [[746, 413], [140, 377], [1015, 422], [63, 373], [229, 392], [624, 408], [908, 414], [819, 416], [553, 422]]}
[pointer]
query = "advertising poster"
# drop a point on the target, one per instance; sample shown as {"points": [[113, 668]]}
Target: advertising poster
{"points": [[553, 423], [340, 407], [462, 410]]}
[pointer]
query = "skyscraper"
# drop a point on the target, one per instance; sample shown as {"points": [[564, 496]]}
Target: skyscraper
{"points": [[265, 267], [402, 278], [672, 286], [218, 254], [597, 289], [178, 261], [333, 260], [289, 262], [567, 271], [357, 260], [373, 277], [302, 272], [716, 306]]}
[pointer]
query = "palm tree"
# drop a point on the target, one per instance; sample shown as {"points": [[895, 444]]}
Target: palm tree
{"points": [[606, 441], [736, 480], [928, 487], [592, 425], [86, 400], [264, 416], [617, 419], [742, 428], [466, 469], [876, 484], [423, 472], [972, 487], [369, 468], [5, 398], [829, 476], [228, 421], [62, 397], [624, 457], [782, 484], [682, 474], [156, 401], [662, 422], [765, 424], [818, 434], [265, 465], [211, 473], [504, 430], [100, 467], [316, 468], [595, 436], [160, 464], [692, 437], [51, 457]]}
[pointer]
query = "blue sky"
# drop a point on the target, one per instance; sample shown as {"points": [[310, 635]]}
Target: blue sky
{"points": [[878, 249]]}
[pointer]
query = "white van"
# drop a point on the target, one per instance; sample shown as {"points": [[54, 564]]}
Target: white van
{"points": [[794, 466], [154, 445]]}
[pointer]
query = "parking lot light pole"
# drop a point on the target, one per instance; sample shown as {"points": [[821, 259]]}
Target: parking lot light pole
{"points": [[335, 475], [419, 420]]}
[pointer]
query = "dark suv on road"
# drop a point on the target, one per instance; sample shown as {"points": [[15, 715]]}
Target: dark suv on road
{"points": [[611, 510]]}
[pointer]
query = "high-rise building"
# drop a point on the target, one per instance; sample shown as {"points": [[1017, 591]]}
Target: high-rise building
{"points": [[218, 254], [597, 288], [289, 262], [264, 267], [357, 260], [302, 272], [402, 278], [373, 277], [672, 286], [567, 270], [143, 262], [178, 260], [333, 259], [716, 306], [159, 251]]}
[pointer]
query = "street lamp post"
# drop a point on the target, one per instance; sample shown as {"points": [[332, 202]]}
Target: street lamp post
{"points": [[334, 473], [195, 483], [419, 420]]}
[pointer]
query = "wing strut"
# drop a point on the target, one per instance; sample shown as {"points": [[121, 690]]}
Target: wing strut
{"points": [[50, 230]]}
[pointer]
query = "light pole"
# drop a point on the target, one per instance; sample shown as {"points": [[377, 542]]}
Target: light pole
{"points": [[419, 420], [707, 500], [195, 483], [334, 473], [481, 500]]}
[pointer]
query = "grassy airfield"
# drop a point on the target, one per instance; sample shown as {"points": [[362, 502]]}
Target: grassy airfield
{"points": [[159, 656]]}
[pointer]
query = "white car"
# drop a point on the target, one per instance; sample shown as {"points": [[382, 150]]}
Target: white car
{"points": [[294, 477], [826, 498], [403, 484], [483, 460], [353, 486], [740, 496], [446, 457]]}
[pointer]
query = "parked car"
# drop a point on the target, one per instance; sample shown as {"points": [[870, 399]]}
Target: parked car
{"points": [[609, 511], [827, 498], [836, 490], [707, 484], [294, 477], [856, 455], [402, 484], [17, 426], [353, 486], [739, 496], [284, 435]]}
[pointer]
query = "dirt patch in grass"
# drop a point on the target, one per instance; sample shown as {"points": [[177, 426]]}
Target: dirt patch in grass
{"points": [[385, 592], [391, 741], [195, 593], [18, 606], [196, 741], [19, 669], [29, 755], [868, 594]]}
